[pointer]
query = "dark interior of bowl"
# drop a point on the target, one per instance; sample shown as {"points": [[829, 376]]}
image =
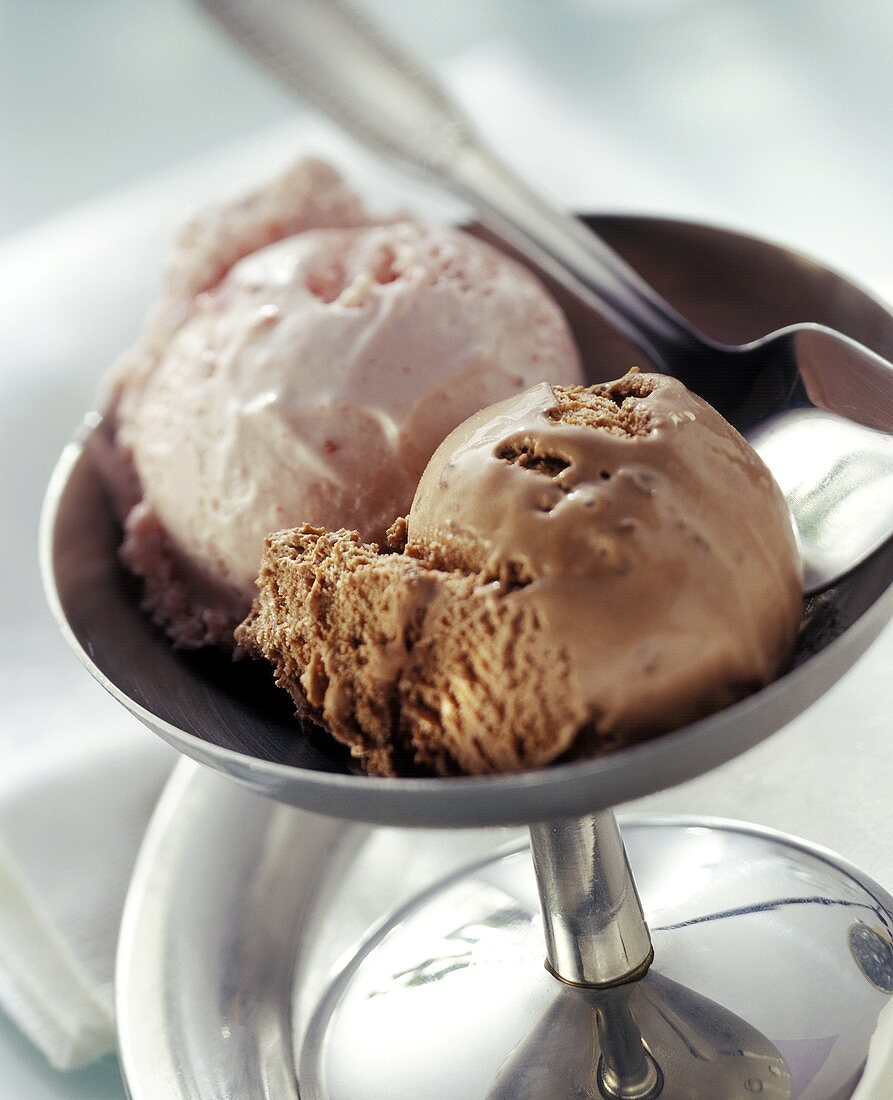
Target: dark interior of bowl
{"points": [[734, 288]]}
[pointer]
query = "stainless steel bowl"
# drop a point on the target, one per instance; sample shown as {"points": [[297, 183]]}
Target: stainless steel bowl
{"points": [[735, 288]]}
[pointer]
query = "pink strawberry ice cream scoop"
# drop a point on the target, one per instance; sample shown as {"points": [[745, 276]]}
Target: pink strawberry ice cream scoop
{"points": [[302, 368]]}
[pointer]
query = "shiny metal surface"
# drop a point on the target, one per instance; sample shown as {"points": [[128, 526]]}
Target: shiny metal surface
{"points": [[332, 56], [213, 925], [237, 911], [592, 917], [707, 1051], [231, 717], [755, 988], [625, 1070], [787, 938], [832, 473]]}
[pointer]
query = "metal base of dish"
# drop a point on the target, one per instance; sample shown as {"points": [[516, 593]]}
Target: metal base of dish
{"points": [[773, 960]]}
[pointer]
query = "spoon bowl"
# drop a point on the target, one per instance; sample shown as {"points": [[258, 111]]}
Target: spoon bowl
{"points": [[818, 408], [232, 718]]}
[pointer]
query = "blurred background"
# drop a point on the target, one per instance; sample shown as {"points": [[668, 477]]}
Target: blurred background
{"points": [[771, 115]]}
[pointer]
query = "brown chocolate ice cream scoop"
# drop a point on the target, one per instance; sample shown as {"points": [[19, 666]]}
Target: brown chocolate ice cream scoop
{"points": [[581, 568]]}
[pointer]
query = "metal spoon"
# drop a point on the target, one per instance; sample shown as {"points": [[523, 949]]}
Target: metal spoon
{"points": [[789, 392]]}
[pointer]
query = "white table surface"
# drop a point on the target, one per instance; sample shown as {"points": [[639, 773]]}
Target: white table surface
{"points": [[774, 117]]}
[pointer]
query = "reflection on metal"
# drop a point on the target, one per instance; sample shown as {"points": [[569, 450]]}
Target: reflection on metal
{"points": [[873, 951], [776, 903], [595, 932], [626, 1067], [586, 1045], [837, 478], [758, 985], [467, 940], [580, 1049]]}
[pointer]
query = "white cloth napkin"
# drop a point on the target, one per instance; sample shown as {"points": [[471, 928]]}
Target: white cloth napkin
{"points": [[80, 776]]}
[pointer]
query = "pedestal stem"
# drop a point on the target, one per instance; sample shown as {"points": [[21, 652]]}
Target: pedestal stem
{"points": [[595, 931], [626, 1071]]}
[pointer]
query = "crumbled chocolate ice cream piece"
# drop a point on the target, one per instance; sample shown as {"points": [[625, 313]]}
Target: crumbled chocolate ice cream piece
{"points": [[405, 661]]}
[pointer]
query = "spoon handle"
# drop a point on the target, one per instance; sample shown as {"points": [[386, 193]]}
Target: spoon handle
{"points": [[334, 58]]}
